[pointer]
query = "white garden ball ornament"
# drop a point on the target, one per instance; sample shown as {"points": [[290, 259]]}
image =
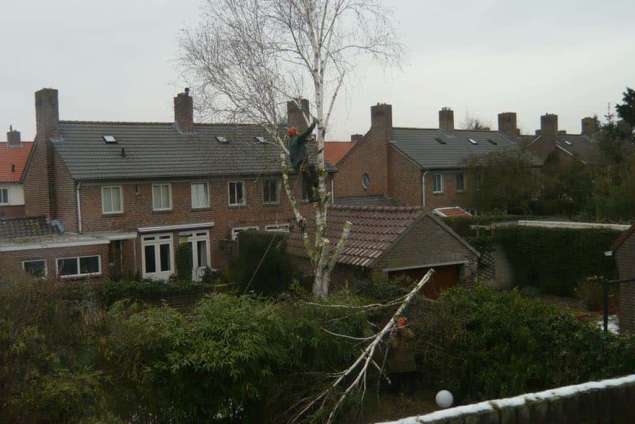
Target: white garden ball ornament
{"points": [[444, 399]]}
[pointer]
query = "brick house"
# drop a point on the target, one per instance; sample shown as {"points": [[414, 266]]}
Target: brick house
{"points": [[417, 166], [396, 242], [13, 158], [143, 189], [624, 253], [552, 144]]}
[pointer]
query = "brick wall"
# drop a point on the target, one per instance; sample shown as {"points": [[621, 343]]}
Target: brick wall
{"points": [[65, 195], [450, 195], [12, 261], [404, 179], [36, 180], [625, 258], [12, 211], [429, 243]]}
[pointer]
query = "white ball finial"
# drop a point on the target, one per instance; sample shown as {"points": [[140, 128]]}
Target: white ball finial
{"points": [[444, 399]]}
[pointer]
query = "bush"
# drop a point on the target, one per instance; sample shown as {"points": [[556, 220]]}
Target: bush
{"points": [[555, 260], [484, 344], [262, 265], [109, 292]]}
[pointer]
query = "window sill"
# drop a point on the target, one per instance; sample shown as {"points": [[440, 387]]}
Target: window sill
{"points": [[111, 214], [438, 193], [162, 211], [269, 205], [208, 208], [237, 206], [79, 276]]}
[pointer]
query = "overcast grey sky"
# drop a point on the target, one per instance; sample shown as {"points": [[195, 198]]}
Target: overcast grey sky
{"points": [[115, 60]]}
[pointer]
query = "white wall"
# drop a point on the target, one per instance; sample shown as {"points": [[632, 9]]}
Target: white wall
{"points": [[16, 194]]}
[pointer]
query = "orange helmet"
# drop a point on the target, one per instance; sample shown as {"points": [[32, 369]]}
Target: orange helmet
{"points": [[292, 132]]}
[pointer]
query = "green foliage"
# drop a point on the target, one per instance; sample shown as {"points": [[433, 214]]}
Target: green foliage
{"points": [[483, 344], [109, 292], [262, 265], [590, 291], [502, 182], [566, 188], [233, 357], [555, 260], [626, 110]]}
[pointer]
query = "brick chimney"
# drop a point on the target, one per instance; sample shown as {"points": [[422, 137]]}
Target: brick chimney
{"points": [[381, 116], [549, 125], [295, 116], [47, 114], [184, 112], [446, 119], [590, 126], [508, 124], [357, 137], [13, 137]]}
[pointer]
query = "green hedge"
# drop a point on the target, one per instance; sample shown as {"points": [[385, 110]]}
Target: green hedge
{"points": [[556, 260]]}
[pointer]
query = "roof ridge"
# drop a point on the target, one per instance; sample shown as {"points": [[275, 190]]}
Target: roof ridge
{"points": [[441, 129], [377, 208], [66, 121]]}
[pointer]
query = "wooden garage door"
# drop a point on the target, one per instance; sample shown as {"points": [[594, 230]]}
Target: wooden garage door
{"points": [[443, 278]]}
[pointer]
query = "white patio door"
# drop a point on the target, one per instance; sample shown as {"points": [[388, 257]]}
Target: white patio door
{"points": [[158, 256], [201, 255]]}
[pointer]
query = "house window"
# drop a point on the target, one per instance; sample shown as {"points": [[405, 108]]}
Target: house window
{"points": [[238, 230], [111, 199], [365, 181], [236, 193], [282, 228], [200, 195], [460, 182], [4, 196], [161, 197], [271, 191], [157, 256], [82, 266], [437, 183], [35, 267]]}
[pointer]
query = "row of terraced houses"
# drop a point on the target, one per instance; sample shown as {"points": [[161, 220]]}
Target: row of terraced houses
{"points": [[116, 199]]}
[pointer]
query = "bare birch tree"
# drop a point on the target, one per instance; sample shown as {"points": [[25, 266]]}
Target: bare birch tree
{"points": [[249, 57]]}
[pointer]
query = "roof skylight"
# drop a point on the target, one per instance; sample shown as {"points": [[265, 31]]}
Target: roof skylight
{"points": [[109, 139], [492, 142], [568, 143], [260, 139], [222, 139], [440, 140], [474, 142]]}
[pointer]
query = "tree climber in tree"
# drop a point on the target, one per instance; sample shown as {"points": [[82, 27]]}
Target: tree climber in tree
{"points": [[300, 161]]}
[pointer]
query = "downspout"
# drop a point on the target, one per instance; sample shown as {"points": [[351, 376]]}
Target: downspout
{"points": [[423, 189], [332, 191], [79, 207]]}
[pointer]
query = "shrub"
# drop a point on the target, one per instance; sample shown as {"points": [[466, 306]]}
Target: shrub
{"points": [[262, 265], [484, 344]]}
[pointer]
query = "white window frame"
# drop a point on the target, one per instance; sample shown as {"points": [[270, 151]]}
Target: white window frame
{"points": [[156, 240], [441, 183], [46, 266], [4, 189], [169, 208], [103, 208], [206, 184], [237, 230], [282, 228], [79, 274], [229, 194], [278, 186], [462, 189]]}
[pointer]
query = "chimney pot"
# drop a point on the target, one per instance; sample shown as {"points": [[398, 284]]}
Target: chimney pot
{"points": [[13, 137], [446, 119], [549, 124], [184, 112]]}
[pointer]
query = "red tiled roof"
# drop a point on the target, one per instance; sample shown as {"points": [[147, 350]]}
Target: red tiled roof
{"points": [[334, 151], [11, 157], [375, 229]]}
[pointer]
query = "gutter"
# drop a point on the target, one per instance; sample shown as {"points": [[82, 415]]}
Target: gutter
{"points": [[79, 207]]}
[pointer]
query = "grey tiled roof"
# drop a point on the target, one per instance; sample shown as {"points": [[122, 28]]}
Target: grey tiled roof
{"points": [[14, 228], [366, 201], [155, 150], [421, 145]]}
